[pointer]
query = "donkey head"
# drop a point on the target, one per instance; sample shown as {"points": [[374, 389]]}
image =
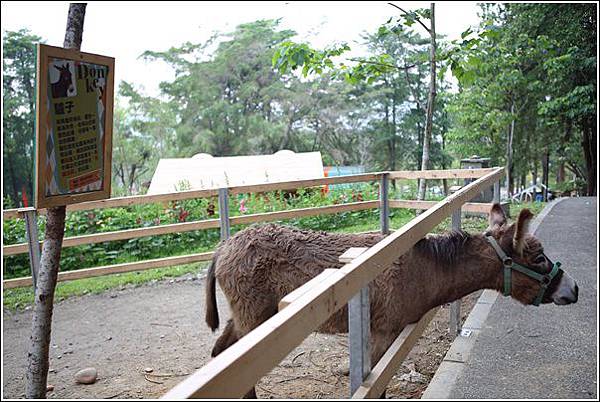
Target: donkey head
{"points": [[65, 76], [528, 274]]}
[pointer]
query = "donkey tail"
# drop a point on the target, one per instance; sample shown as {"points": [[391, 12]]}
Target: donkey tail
{"points": [[212, 313]]}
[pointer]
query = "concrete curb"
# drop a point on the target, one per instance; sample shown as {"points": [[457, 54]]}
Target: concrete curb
{"points": [[447, 374]]}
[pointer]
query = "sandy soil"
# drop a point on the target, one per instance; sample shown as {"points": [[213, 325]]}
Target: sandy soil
{"points": [[160, 326]]}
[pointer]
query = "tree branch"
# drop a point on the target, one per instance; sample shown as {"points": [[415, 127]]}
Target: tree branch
{"points": [[401, 68], [416, 19]]}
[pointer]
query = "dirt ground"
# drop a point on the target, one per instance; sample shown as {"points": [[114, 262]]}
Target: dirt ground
{"points": [[160, 327]]}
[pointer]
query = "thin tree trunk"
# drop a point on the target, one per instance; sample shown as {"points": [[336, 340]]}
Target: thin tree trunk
{"points": [[430, 106], [509, 149], [37, 358], [589, 152], [545, 164]]}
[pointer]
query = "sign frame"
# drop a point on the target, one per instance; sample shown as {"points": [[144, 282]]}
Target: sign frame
{"points": [[44, 54]]}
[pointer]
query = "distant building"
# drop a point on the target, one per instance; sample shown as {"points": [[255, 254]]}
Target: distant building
{"points": [[204, 171]]}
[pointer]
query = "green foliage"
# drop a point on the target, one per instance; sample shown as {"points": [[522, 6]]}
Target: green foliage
{"points": [[534, 65], [18, 132]]}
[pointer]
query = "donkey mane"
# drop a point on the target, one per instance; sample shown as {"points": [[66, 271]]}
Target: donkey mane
{"points": [[443, 248]]}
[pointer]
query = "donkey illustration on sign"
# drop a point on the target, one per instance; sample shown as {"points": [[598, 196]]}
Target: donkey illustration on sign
{"points": [[64, 85], [258, 266]]}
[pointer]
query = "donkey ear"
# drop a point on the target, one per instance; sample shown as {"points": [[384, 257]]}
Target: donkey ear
{"points": [[521, 228], [497, 216]]}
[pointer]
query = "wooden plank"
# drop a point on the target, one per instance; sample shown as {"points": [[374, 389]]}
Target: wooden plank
{"points": [[476, 207], [352, 253], [299, 291], [123, 235], [116, 269], [124, 201], [440, 174], [293, 185], [378, 379], [303, 212], [237, 369]]}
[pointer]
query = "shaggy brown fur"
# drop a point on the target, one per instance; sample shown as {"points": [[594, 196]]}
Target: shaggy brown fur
{"points": [[258, 266]]}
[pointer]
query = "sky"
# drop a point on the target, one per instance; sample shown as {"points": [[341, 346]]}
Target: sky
{"points": [[124, 30]]}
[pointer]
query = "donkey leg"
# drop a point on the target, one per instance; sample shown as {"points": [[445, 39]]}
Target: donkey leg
{"points": [[227, 338]]}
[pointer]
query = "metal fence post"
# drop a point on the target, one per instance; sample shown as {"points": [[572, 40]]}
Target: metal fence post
{"points": [[384, 204], [31, 231], [224, 213], [359, 334], [455, 305], [359, 317]]}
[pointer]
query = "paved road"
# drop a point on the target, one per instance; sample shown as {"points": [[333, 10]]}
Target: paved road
{"points": [[548, 351]]}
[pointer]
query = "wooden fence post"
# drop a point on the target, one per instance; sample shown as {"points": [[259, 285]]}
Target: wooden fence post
{"points": [[455, 305], [31, 232], [224, 223]]}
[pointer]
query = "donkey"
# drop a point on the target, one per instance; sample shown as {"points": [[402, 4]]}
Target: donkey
{"points": [[258, 266], [64, 85]]}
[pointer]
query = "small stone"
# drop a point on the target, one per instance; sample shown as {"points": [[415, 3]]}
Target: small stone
{"points": [[148, 369], [162, 336], [49, 388], [52, 370], [109, 338], [86, 376], [59, 357]]}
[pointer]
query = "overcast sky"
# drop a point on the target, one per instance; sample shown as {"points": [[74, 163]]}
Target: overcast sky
{"points": [[125, 30]]}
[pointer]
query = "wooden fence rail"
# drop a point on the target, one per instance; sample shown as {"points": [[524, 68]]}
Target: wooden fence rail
{"points": [[238, 368]]}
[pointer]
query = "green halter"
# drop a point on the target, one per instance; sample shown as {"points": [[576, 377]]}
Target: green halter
{"points": [[543, 279]]}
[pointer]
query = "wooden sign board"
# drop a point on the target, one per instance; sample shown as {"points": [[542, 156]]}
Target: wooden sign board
{"points": [[74, 119]]}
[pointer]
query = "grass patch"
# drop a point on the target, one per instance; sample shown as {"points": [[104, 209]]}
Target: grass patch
{"points": [[19, 298]]}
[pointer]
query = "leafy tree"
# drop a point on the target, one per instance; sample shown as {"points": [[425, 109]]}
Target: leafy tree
{"points": [[527, 79], [18, 84]]}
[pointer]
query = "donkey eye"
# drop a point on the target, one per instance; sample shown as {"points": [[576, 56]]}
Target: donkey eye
{"points": [[540, 260]]}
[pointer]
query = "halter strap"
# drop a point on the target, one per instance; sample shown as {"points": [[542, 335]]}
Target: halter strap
{"points": [[509, 264]]}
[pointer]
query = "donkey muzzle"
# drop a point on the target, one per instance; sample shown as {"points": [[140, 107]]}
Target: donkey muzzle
{"points": [[567, 291]]}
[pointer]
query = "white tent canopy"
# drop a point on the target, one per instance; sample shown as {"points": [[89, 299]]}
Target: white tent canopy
{"points": [[203, 171]]}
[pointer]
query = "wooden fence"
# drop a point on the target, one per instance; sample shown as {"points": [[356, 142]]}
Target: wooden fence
{"points": [[224, 219], [232, 373]]}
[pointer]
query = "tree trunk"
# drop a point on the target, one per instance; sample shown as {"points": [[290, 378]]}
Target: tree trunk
{"points": [[37, 358], [589, 152], [545, 164], [430, 106], [509, 150]]}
